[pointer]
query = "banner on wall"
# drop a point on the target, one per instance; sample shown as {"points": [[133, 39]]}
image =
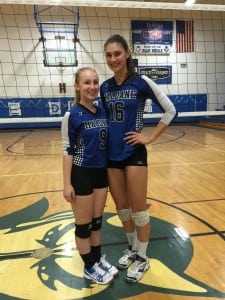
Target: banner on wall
{"points": [[35, 107], [161, 74], [152, 37]]}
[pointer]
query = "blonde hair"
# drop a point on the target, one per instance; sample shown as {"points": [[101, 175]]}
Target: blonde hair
{"points": [[77, 79]]}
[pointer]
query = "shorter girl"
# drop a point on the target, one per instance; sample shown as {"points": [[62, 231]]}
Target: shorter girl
{"points": [[84, 133]]}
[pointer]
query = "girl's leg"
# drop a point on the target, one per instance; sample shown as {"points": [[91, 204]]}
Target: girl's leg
{"points": [[98, 209], [118, 189], [137, 190], [99, 204], [137, 193], [82, 208]]}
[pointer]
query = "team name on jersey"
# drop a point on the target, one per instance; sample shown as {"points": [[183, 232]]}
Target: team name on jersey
{"points": [[95, 123], [125, 94]]}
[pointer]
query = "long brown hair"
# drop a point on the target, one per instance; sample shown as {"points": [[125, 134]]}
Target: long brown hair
{"points": [[116, 38]]}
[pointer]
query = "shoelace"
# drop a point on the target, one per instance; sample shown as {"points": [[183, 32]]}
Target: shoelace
{"points": [[136, 264], [127, 254], [100, 271], [105, 262]]}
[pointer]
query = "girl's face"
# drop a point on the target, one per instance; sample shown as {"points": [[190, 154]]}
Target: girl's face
{"points": [[88, 85], [116, 57]]}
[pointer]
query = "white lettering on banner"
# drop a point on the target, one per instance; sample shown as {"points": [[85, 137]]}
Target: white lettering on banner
{"points": [[54, 108], [14, 109], [159, 49], [70, 104]]}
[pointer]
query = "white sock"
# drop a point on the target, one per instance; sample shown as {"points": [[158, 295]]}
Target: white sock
{"points": [[142, 249], [135, 242], [130, 238]]}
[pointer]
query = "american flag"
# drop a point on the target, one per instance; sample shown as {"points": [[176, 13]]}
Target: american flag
{"points": [[184, 36]]}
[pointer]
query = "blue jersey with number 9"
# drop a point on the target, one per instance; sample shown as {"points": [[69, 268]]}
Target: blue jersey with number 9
{"points": [[84, 136]]}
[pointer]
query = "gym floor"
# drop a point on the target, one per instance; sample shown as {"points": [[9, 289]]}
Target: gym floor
{"points": [[186, 202]]}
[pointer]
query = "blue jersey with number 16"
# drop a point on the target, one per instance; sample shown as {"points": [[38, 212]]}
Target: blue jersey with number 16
{"points": [[125, 107]]}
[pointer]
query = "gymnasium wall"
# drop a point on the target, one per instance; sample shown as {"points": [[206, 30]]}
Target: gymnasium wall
{"points": [[197, 80]]}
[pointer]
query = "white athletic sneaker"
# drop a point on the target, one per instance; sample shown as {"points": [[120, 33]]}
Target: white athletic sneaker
{"points": [[126, 260], [137, 269], [97, 274], [107, 267]]}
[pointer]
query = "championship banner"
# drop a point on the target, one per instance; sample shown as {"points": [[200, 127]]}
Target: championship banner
{"points": [[161, 75], [152, 37]]}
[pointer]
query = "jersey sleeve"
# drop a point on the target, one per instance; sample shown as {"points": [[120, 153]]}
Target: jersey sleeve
{"points": [[68, 147], [164, 102]]}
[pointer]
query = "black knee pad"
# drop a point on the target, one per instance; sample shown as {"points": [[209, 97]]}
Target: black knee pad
{"points": [[97, 223], [83, 231]]}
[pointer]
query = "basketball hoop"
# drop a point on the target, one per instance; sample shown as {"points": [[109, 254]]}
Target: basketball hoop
{"points": [[61, 66]]}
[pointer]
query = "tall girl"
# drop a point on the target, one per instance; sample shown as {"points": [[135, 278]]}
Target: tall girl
{"points": [[124, 96]]}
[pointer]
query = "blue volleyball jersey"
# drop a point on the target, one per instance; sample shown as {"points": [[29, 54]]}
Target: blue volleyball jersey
{"points": [[125, 107], [84, 135]]}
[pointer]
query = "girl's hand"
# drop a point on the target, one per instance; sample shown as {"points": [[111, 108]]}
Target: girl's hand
{"points": [[69, 193], [133, 138]]}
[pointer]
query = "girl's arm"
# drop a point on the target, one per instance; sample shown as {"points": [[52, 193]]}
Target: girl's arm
{"points": [[169, 114], [68, 193]]}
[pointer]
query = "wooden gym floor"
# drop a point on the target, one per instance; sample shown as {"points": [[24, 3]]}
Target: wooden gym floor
{"points": [[186, 202]]}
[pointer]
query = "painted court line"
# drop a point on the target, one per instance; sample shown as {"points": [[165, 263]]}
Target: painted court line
{"points": [[26, 174], [199, 144], [188, 163]]}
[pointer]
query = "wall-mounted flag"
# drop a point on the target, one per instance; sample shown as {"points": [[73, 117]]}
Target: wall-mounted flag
{"points": [[184, 36]]}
